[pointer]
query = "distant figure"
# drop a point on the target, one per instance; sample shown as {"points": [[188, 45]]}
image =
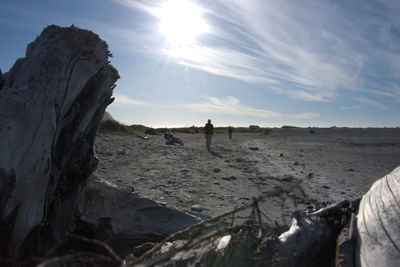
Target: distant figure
{"points": [[230, 129], [209, 131]]}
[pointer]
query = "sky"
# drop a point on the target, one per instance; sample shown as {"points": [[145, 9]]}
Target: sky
{"points": [[316, 63]]}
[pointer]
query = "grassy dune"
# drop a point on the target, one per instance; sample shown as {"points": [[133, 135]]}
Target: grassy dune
{"points": [[139, 130]]}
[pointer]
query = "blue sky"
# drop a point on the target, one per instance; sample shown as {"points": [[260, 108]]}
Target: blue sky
{"points": [[237, 62]]}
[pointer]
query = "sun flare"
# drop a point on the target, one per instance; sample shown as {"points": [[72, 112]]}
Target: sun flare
{"points": [[181, 22]]}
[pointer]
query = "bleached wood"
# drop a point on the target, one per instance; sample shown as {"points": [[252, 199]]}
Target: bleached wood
{"points": [[378, 223], [50, 106]]}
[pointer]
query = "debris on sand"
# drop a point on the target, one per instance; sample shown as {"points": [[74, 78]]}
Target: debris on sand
{"points": [[172, 140], [216, 170]]}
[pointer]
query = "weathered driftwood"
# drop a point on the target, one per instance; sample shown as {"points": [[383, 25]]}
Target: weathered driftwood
{"points": [[378, 223], [124, 220], [50, 105], [345, 249]]}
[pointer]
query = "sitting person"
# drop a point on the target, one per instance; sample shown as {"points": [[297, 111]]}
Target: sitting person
{"points": [[171, 140]]}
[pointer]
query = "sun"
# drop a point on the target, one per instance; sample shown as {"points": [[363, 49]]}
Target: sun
{"points": [[181, 22]]}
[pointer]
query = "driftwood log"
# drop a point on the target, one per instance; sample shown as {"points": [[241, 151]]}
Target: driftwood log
{"points": [[124, 220], [50, 105], [378, 223]]}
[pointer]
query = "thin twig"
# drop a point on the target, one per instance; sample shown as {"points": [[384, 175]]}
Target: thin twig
{"points": [[257, 209], [266, 216]]}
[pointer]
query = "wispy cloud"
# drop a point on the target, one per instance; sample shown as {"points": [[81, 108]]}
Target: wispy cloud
{"points": [[125, 100], [355, 107], [231, 106], [304, 115], [371, 102], [306, 50], [317, 96]]}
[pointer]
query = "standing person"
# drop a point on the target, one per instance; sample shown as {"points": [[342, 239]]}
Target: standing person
{"points": [[230, 129], [209, 131]]}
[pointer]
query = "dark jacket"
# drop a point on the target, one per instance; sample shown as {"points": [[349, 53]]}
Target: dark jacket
{"points": [[209, 129]]}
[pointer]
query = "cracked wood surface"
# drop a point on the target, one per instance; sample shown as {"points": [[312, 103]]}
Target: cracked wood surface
{"points": [[51, 102], [378, 223]]}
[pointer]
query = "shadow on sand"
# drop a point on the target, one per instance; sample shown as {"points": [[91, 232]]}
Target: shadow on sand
{"points": [[215, 154]]}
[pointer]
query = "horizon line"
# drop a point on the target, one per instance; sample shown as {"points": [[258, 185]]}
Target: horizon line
{"points": [[261, 126]]}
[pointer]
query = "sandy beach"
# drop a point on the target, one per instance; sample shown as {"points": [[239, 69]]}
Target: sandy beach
{"points": [[308, 169]]}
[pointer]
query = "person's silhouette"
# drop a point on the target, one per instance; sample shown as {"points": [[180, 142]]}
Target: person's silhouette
{"points": [[230, 129], [209, 131]]}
